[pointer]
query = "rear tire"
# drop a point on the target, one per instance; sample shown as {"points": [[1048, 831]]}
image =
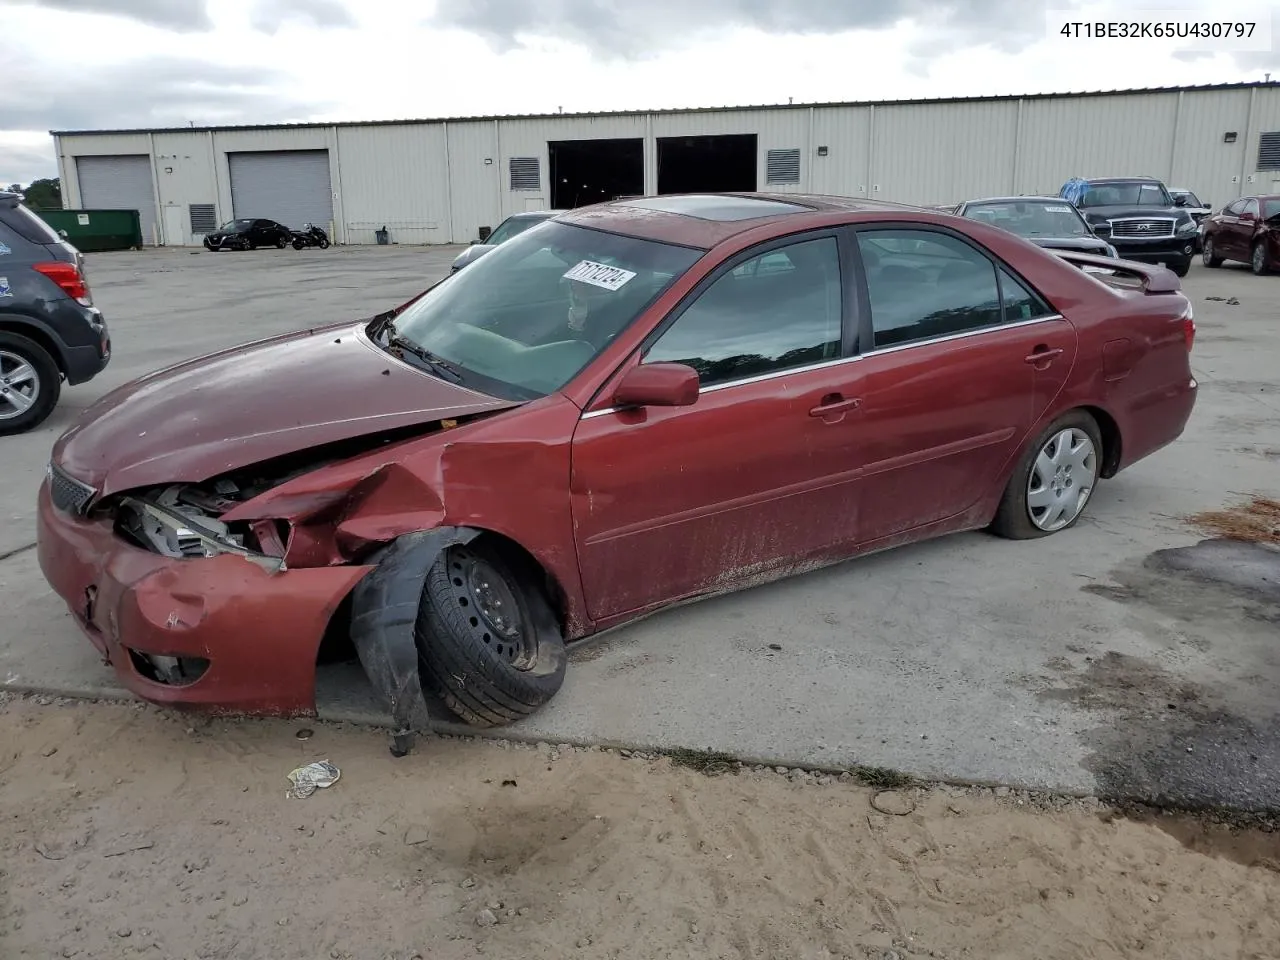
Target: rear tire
{"points": [[1039, 484], [488, 641], [1207, 255], [281, 243], [34, 376], [298, 244]]}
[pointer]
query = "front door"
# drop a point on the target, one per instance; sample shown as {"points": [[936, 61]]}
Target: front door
{"points": [[1229, 238], [674, 502], [965, 359]]}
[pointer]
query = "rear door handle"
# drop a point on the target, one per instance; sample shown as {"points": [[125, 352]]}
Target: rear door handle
{"points": [[835, 403], [1043, 355]]}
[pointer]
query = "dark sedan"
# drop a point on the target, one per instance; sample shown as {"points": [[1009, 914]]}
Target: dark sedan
{"points": [[246, 234], [1046, 221]]}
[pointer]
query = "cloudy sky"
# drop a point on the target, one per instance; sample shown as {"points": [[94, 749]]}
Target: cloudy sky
{"points": [[76, 64]]}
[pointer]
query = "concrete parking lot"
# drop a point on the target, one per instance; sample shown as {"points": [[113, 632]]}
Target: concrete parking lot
{"points": [[1109, 659]]}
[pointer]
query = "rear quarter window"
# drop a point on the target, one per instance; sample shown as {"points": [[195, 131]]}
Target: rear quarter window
{"points": [[27, 225]]}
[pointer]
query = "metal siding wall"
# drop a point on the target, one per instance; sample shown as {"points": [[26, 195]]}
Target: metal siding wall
{"points": [[843, 171], [1202, 163], [1094, 137], [476, 193], [782, 130], [1266, 119], [185, 174], [291, 186], [119, 183], [931, 153], [395, 176]]}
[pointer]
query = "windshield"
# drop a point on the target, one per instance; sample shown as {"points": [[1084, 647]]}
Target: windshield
{"points": [[1030, 218], [1190, 198], [522, 321], [1270, 208], [1121, 194], [510, 227], [234, 226]]}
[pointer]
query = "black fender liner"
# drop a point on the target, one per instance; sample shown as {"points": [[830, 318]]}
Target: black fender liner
{"points": [[383, 614]]}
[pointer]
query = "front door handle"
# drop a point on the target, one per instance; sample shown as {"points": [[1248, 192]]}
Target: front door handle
{"points": [[835, 403], [1042, 355]]}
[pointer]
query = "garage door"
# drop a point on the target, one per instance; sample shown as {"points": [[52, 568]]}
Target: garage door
{"points": [[119, 183], [291, 186]]}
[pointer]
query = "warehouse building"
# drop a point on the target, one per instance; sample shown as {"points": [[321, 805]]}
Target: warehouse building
{"points": [[440, 181]]}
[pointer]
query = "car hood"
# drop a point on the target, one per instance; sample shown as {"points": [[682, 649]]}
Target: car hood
{"points": [[1095, 214], [252, 403]]}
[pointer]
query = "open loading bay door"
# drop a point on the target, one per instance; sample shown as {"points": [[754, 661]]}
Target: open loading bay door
{"points": [[716, 164], [593, 171]]}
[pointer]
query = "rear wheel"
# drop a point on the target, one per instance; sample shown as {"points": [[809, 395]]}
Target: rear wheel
{"points": [[281, 243], [1258, 259], [488, 642], [29, 384], [1208, 256], [298, 244], [1053, 480]]}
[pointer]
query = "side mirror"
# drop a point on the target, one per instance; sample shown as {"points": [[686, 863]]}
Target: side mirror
{"points": [[658, 385], [1101, 230]]}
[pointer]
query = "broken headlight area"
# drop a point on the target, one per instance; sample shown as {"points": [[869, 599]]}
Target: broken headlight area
{"points": [[171, 671], [182, 521]]}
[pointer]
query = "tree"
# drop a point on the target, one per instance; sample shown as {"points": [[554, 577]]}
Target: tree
{"points": [[44, 194]]}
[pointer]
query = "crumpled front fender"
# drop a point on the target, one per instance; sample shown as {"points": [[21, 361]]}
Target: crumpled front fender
{"points": [[384, 612]]}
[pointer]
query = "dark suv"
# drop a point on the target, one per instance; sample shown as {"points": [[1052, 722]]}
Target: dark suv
{"points": [[50, 330], [1139, 217]]}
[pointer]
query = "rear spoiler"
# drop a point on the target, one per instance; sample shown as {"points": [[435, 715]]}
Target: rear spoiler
{"points": [[1151, 277]]}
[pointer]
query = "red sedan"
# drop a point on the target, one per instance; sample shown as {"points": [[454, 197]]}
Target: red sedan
{"points": [[628, 405], [1247, 230]]}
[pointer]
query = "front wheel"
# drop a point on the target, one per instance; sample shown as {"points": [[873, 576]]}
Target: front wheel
{"points": [[324, 244], [29, 384], [488, 642], [1258, 260], [1208, 255], [1053, 480], [1181, 268]]}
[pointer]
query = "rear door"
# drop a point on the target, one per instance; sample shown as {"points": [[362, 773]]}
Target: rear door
{"points": [[964, 359], [1227, 236], [759, 472]]}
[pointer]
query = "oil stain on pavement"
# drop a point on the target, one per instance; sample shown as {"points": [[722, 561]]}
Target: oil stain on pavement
{"points": [[1194, 724]]}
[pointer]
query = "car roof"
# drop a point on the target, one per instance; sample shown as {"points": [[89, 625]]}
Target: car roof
{"points": [[1037, 197], [704, 220], [1125, 180]]}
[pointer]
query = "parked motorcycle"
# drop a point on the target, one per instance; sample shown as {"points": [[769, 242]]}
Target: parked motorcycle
{"points": [[310, 236]]}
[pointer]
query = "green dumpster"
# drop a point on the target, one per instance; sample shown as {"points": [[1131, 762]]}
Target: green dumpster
{"points": [[95, 230]]}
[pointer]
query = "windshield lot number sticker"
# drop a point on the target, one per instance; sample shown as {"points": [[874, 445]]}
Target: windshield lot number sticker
{"points": [[1058, 209], [600, 275], [4, 249], [5, 289]]}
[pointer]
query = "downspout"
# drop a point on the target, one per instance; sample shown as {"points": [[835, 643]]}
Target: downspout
{"points": [[871, 133], [497, 163], [806, 177], [1017, 150], [158, 226], [448, 181], [340, 214], [1173, 146], [1248, 139]]}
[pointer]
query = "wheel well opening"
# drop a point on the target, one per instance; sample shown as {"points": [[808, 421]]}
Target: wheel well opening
{"points": [[526, 563], [1110, 433], [36, 335]]}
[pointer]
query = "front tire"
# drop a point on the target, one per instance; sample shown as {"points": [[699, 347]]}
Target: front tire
{"points": [[1053, 481], [1181, 268], [1207, 254], [1258, 260], [30, 384], [488, 641], [324, 244]]}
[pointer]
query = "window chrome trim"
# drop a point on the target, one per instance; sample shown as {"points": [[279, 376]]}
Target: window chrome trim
{"points": [[791, 371]]}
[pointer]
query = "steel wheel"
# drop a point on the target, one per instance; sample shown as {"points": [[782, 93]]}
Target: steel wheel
{"points": [[1259, 259], [1062, 479], [19, 385], [495, 614]]}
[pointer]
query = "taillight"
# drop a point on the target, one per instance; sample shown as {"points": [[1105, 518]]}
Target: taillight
{"points": [[68, 277], [1188, 327]]}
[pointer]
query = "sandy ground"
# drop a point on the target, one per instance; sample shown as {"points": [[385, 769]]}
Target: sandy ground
{"points": [[128, 833]]}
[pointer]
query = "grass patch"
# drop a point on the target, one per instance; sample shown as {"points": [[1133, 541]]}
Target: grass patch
{"points": [[1257, 521], [882, 777], [711, 762]]}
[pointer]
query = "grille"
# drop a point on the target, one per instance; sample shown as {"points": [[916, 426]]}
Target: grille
{"points": [[67, 493], [1151, 227]]}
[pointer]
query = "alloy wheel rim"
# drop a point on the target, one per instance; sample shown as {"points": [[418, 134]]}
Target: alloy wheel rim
{"points": [[1206, 252], [19, 385], [1259, 258], [1063, 475]]}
